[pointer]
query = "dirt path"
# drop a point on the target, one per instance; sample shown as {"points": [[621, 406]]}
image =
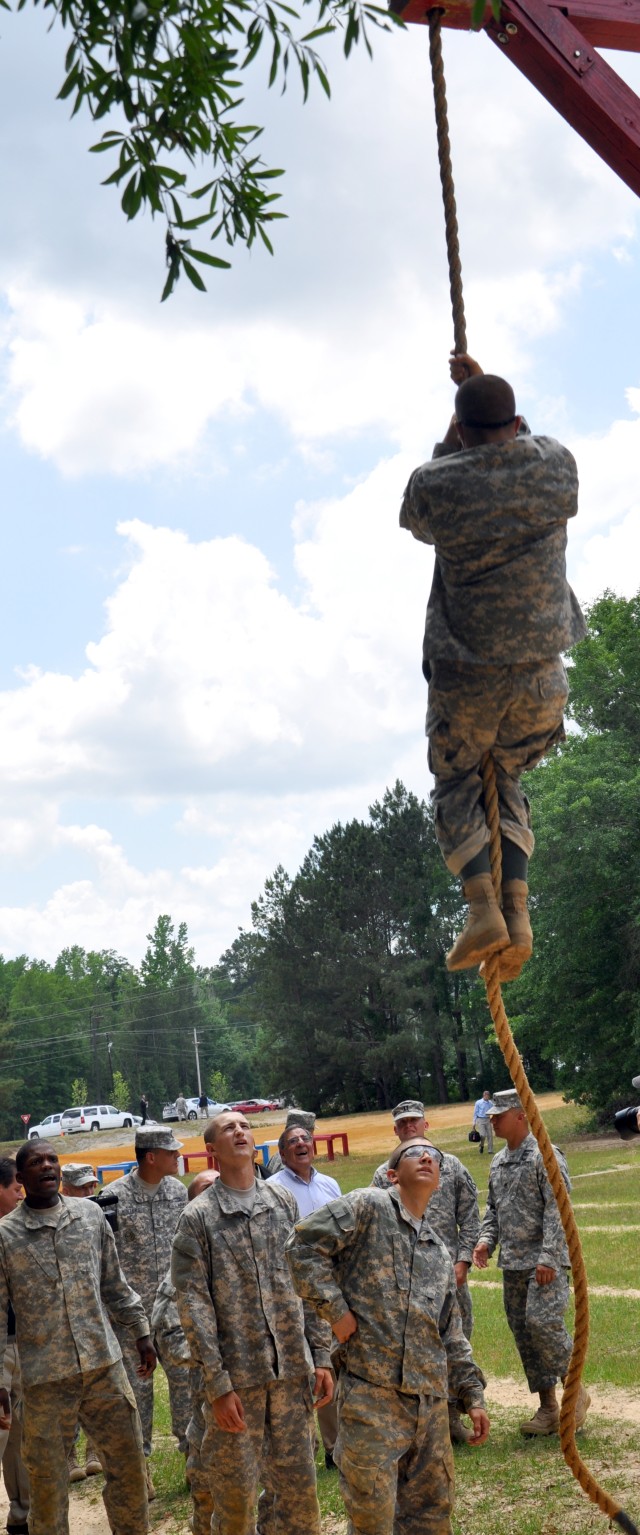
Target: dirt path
{"points": [[606, 1401]]}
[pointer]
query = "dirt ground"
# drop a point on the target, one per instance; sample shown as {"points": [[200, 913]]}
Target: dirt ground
{"points": [[89, 1518], [367, 1133]]}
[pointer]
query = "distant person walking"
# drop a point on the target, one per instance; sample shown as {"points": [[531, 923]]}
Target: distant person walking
{"points": [[482, 1121], [181, 1107], [144, 1105], [203, 1106]]}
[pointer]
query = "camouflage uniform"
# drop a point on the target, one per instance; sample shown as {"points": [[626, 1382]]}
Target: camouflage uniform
{"points": [[168, 1332], [145, 1232], [14, 1472], [246, 1326], [59, 1269], [454, 1216], [499, 614], [363, 1253], [522, 1216]]}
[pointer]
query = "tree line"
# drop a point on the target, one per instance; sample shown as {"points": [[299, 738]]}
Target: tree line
{"points": [[337, 996]]}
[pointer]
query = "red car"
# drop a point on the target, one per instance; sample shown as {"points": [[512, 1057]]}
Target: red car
{"points": [[254, 1105]]}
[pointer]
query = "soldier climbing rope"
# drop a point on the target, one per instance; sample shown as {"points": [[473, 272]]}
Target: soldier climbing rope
{"points": [[491, 968]]}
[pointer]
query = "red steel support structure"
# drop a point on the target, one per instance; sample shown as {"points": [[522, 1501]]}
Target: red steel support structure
{"points": [[555, 45]]}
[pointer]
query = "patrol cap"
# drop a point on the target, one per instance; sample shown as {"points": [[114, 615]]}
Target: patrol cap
{"points": [[504, 1101], [77, 1174], [302, 1117], [416, 1140], [410, 1108], [154, 1138]]}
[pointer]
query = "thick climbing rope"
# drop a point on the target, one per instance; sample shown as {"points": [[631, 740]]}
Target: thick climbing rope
{"points": [[512, 1057]]}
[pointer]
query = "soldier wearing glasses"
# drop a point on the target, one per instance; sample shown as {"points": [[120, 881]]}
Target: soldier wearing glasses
{"points": [[373, 1267]]}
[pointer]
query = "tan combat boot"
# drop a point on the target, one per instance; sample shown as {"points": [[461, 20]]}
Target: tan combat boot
{"points": [[547, 1419], [92, 1461], [582, 1406], [485, 931], [458, 1431], [151, 1491], [77, 1473]]}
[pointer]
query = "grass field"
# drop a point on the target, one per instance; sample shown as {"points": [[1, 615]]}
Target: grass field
{"points": [[514, 1486]]}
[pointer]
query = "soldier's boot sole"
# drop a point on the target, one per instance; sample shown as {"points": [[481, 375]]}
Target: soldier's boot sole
{"points": [[485, 931]]}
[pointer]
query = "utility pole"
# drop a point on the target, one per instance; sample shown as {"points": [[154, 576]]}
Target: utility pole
{"points": [[95, 1018], [109, 1049], [195, 1041]]}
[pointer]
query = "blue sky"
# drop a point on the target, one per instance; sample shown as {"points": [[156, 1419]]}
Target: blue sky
{"points": [[211, 624]]}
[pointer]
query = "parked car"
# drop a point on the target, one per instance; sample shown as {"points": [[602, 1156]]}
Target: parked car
{"points": [[97, 1116], [255, 1105], [49, 1126], [193, 1112]]}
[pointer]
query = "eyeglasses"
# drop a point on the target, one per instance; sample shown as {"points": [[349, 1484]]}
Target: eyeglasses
{"points": [[418, 1152]]}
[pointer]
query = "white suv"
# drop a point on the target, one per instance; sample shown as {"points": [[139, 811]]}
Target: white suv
{"points": [[49, 1126], [99, 1116]]}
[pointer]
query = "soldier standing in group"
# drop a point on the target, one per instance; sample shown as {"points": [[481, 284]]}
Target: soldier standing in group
{"points": [[79, 1182], [59, 1271], [150, 1202], [453, 1215], [168, 1332], [522, 1216], [258, 1349], [494, 501], [373, 1268], [14, 1471]]}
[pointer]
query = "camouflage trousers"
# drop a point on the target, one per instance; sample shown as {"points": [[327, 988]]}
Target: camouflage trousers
{"points": [[514, 712], [14, 1471], [103, 1403], [198, 1472], [179, 1391], [535, 1314], [279, 1432], [395, 1460]]}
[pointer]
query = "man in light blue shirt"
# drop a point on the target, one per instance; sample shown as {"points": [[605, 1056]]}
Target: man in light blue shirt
{"points": [[482, 1122], [310, 1189]]}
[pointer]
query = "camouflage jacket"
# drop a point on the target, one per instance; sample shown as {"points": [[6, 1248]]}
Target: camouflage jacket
{"points": [[521, 1214], [453, 1209], [60, 1271], [241, 1315], [497, 516], [361, 1253], [146, 1229], [166, 1324]]}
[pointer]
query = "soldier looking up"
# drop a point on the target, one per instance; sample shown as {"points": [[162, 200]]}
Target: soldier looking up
{"points": [[372, 1266], [150, 1202], [494, 501], [453, 1215], [522, 1216], [59, 1270], [259, 1349]]}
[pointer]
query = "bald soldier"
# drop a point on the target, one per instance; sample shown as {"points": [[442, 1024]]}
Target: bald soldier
{"points": [[453, 1215], [494, 501], [264, 1357]]}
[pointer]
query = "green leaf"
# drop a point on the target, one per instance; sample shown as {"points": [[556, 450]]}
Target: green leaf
{"points": [[209, 260], [193, 275]]}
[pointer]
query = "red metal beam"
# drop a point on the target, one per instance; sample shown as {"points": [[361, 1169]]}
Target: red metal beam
{"points": [[555, 47]]}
